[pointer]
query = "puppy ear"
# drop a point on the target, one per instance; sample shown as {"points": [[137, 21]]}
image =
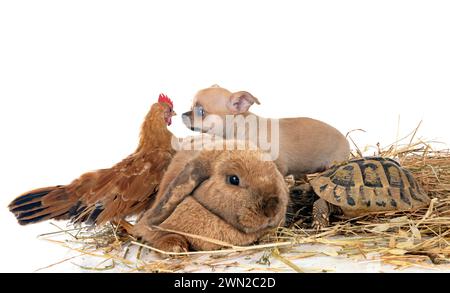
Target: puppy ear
{"points": [[193, 174], [241, 101]]}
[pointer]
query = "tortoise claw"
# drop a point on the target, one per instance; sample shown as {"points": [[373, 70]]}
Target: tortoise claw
{"points": [[319, 225]]}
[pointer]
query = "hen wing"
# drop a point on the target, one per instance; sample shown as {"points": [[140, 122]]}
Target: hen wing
{"points": [[127, 188]]}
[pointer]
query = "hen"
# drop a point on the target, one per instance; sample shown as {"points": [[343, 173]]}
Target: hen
{"points": [[127, 188]]}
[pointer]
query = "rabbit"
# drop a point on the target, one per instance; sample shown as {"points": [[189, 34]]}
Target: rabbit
{"points": [[233, 196]]}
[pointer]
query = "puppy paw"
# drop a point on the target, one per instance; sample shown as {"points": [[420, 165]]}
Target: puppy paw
{"points": [[290, 181]]}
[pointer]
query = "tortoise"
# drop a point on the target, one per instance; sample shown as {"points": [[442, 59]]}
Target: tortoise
{"points": [[358, 187]]}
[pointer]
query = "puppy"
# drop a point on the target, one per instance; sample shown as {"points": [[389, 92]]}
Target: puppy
{"points": [[299, 146], [230, 196]]}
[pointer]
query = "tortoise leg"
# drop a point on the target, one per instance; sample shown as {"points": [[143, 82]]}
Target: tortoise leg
{"points": [[321, 214]]}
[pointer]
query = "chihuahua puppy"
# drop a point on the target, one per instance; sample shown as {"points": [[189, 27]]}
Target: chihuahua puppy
{"points": [[299, 146]]}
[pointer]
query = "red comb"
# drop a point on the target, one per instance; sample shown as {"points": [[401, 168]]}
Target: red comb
{"points": [[165, 99]]}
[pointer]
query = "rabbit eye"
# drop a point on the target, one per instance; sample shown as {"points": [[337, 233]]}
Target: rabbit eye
{"points": [[233, 180]]}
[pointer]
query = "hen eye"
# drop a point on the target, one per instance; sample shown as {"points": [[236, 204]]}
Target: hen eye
{"points": [[233, 180]]}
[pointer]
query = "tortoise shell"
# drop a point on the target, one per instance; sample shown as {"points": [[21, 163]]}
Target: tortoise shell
{"points": [[369, 184]]}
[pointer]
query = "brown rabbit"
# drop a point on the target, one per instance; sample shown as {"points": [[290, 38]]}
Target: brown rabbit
{"points": [[233, 196]]}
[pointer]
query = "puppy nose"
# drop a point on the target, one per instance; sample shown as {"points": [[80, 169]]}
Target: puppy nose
{"points": [[270, 206], [185, 118]]}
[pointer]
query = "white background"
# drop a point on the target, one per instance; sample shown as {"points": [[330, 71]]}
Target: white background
{"points": [[78, 77]]}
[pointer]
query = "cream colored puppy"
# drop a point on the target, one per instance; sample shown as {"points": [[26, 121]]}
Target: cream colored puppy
{"points": [[298, 146]]}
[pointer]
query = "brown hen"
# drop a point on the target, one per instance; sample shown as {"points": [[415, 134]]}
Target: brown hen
{"points": [[127, 188]]}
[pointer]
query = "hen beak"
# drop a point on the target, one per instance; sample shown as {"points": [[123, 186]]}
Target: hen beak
{"points": [[174, 113]]}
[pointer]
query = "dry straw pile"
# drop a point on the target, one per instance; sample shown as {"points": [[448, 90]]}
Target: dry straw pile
{"points": [[402, 239]]}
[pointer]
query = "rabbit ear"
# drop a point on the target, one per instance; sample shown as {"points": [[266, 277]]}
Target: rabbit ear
{"points": [[193, 174]]}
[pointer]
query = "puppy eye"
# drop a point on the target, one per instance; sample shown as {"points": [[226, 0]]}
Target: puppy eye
{"points": [[233, 180], [199, 111]]}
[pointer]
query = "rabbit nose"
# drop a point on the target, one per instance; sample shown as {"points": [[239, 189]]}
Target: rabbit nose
{"points": [[270, 206]]}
